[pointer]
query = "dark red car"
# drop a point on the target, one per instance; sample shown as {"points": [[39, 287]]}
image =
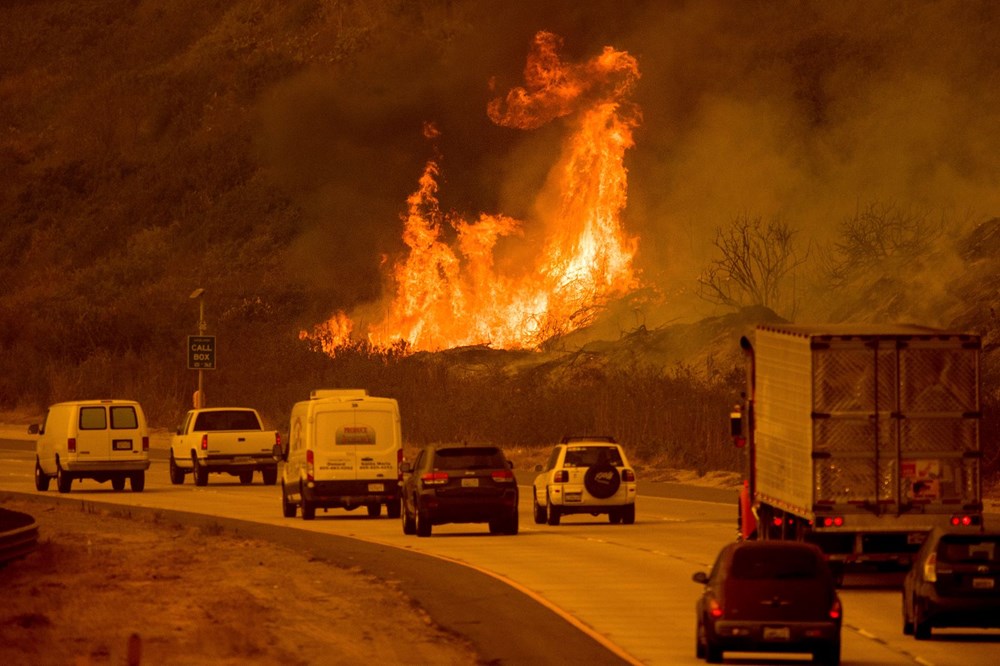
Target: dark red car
{"points": [[769, 596]]}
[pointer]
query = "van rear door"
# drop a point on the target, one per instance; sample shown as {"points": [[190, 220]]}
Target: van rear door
{"points": [[356, 443], [125, 440], [92, 441]]}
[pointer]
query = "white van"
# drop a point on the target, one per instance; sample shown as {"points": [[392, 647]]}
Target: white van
{"points": [[344, 449], [104, 440]]}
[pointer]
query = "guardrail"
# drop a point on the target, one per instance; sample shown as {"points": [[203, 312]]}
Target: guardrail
{"points": [[18, 535]]}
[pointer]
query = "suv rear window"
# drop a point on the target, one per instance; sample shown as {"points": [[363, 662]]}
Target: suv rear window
{"points": [[586, 456], [968, 549], [768, 563], [481, 457]]}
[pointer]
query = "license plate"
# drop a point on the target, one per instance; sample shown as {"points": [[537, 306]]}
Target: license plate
{"points": [[376, 487], [242, 459], [470, 483], [121, 444], [983, 583], [777, 633]]}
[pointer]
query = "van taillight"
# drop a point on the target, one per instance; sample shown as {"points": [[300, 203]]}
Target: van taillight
{"points": [[277, 439], [835, 610], [310, 467], [71, 444], [714, 608], [399, 461], [145, 443], [204, 442]]}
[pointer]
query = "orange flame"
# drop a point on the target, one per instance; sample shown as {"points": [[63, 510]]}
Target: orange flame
{"points": [[449, 295]]}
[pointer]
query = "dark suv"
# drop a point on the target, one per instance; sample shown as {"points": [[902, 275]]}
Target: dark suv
{"points": [[459, 484], [769, 596], [954, 582]]}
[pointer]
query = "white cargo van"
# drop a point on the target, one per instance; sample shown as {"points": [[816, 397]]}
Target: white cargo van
{"points": [[343, 451], [104, 440]]}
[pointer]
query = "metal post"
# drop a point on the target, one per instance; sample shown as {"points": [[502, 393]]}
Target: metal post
{"points": [[199, 293]]}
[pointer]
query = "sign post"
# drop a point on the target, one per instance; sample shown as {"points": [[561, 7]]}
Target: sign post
{"points": [[200, 350]]}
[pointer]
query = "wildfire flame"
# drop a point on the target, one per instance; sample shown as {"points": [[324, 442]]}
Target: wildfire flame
{"points": [[451, 294]]}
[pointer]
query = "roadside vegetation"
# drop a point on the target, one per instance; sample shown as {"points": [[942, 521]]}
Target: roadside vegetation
{"points": [[127, 187]]}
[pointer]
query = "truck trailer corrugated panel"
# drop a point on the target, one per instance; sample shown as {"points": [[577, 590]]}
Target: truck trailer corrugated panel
{"points": [[884, 417]]}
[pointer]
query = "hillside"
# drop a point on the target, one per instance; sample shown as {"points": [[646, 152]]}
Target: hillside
{"points": [[265, 153]]}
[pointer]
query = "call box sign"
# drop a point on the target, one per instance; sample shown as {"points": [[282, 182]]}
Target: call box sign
{"points": [[201, 352]]}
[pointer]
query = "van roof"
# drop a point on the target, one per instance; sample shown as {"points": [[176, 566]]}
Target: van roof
{"points": [[343, 394], [98, 401]]}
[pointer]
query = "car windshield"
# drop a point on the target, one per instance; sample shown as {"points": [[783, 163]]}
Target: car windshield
{"points": [[969, 549], [482, 457], [587, 456], [760, 563]]}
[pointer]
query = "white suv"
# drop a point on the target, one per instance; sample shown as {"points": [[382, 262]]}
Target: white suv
{"points": [[585, 475]]}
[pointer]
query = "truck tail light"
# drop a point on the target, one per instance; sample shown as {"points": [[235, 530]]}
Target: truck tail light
{"points": [[71, 444], [966, 520], [434, 478], [310, 465], [145, 444], [628, 476], [930, 568], [831, 521], [562, 476], [503, 476], [204, 442]]}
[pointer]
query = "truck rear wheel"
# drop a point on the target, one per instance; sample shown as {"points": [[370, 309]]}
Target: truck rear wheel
{"points": [[374, 509], [270, 475], [199, 472], [246, 478]]}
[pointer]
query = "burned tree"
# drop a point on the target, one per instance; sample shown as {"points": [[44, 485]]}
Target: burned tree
{"points": [[757, 266]]}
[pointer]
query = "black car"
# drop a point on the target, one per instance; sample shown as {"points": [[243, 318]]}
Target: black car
{"points": [[954, 582], [769, 596], [459, 484]]}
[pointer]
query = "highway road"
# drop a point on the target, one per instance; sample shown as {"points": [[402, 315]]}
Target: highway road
{"points": [[627, 586]]}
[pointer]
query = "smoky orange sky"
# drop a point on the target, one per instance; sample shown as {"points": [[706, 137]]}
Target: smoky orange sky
{"points": [[803, 111]]}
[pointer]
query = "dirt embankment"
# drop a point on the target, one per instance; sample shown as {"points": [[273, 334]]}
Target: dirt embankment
{"points": [[106, 589]]}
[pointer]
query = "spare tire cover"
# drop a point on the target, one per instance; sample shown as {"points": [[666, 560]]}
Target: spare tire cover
{"points": [[602, 481]]}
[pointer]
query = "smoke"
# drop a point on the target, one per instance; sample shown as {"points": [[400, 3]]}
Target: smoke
{"points": [[802, 111]]}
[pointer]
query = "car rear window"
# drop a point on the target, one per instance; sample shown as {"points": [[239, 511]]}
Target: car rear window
{"points": [[484, 457], [767, 563], [969, 549], [586, 456]]}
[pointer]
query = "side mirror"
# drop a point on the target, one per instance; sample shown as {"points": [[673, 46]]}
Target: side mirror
{"points": [[33, 429], [406, 467], [510, 464], [538, 468], [700, 577]]}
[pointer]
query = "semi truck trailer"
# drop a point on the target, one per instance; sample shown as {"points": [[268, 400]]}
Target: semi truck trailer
{"points": [[860, 439]]}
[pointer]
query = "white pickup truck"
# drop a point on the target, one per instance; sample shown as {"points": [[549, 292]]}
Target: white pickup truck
{"points": [[223, 439]]}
